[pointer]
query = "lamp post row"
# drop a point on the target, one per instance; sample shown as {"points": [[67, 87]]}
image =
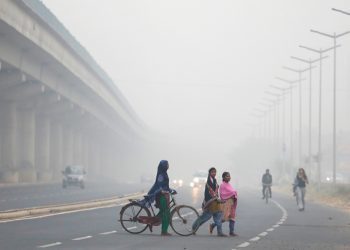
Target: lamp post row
{"points": [[334, 36]]}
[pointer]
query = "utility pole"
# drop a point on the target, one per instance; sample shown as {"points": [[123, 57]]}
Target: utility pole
{"points": [[310, 62], [319, 154], [299, 71], [291, 84], [334, 37]]}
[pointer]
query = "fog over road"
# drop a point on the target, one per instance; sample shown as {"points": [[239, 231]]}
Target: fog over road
{"points": [[277, 225]]}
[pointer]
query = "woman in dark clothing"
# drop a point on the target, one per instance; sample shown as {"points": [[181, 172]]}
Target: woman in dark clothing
{"points": [[299, 188], [211, 206], [160, 192]]}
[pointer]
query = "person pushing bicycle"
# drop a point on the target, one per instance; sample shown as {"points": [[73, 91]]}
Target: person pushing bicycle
{"points": [[266, 182], [160, 193]]}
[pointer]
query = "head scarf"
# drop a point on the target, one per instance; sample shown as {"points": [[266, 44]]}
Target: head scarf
{"points": [[210, 187], [162, 179]]}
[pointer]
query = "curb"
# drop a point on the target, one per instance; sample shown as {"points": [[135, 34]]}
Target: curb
{"points": [[36, 211]]}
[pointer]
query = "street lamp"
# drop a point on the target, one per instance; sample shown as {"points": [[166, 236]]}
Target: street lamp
{"points": [[283, 123], [273, 105], [268, 119], [310, 62], [320, 52], [299, 71], [291, 83], [334, 37], [341, 11]]}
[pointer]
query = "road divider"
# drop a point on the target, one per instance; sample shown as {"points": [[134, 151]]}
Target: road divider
{"points": [[53, 209]]}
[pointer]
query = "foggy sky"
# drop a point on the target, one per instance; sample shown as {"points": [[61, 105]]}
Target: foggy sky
{"points": [[194, 70]]}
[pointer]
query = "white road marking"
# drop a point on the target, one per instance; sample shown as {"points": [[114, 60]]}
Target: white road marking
{"points": [[50, 245], [110, 232], [68, 212], [245, 244], [131, 228], [255, 239], [83, 238], [283, 218]]}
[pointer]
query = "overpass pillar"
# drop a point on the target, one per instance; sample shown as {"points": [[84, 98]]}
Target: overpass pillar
{"points": [[67, 146], [56, 153], [77, 145], [42, 149], [26, 146], [8, 142], [85, 152]]}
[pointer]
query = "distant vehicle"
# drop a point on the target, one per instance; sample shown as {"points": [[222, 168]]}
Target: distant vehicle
{"points": [[74, 176], [178, 183], [199, 178]]}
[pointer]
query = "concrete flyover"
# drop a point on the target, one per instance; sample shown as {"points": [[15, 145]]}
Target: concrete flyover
{"points": [[57, 106]]}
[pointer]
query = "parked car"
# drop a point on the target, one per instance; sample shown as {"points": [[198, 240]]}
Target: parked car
{"points": [[199, 178], [74, 176]]}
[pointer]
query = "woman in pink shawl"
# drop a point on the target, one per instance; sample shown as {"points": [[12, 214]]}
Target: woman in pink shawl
{"points": [[229, 195]]}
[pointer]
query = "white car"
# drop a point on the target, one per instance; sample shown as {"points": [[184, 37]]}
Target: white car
{"points": [[73, 176], [199, 179]]}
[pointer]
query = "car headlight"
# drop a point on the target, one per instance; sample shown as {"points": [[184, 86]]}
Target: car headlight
{"points": [[174, 181], [196, 179], [191, 184]]}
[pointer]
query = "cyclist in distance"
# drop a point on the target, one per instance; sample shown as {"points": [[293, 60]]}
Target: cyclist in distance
{"points": [[266, 182]]}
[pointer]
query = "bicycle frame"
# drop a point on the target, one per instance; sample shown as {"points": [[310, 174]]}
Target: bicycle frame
{"points": [[172, 204], [181, 217]]}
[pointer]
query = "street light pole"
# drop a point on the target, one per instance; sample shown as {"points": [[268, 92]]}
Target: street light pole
{"points": [[273, 119], [341, 11], [269, 120], [277, 115], [291, 83], [319, 154], [283, 123], [299, 71], [310, 62], [334, 37]]}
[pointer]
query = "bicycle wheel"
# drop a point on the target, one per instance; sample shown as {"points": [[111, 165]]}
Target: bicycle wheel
{"points": [[267, 195], [129, 218], [182, 218]]}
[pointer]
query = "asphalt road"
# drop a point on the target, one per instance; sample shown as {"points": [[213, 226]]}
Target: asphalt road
{"points": [[277, 225], [24, 196]]}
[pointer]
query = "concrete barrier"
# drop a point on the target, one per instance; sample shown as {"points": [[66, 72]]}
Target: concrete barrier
{"points": [[45, 210]]}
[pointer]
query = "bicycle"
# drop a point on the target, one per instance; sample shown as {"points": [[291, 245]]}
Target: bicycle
{"points": [[267, 193], [136, 218], [299, 194]]}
